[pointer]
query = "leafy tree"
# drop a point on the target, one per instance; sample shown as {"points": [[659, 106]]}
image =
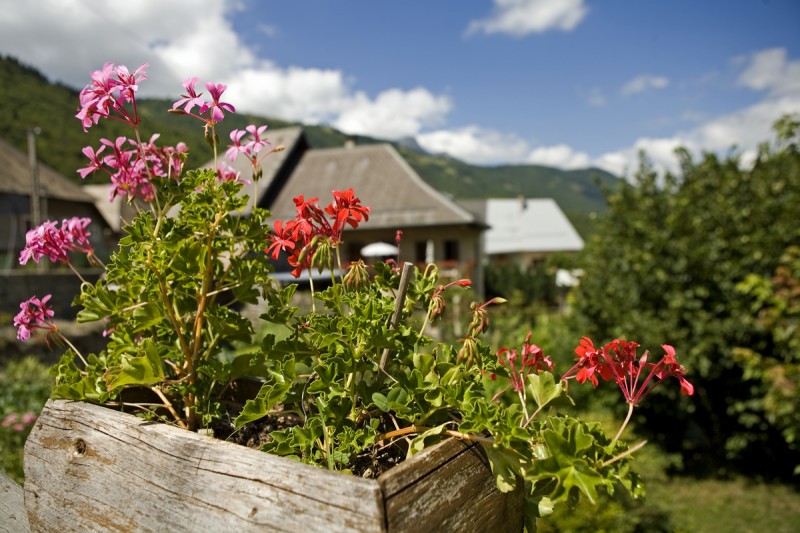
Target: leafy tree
{"points": [[533, 284], [776, 364], [678, 258]]}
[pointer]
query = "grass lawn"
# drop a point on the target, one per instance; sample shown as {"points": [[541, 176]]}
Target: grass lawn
{"points": [[740, 505]]}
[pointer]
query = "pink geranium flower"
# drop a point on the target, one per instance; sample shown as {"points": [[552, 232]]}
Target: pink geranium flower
{"points": [[56, 243], [191, 99], [34, 314], [106, 95], [216, 107]]}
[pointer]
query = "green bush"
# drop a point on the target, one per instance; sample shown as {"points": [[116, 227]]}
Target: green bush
{"points": [[24, 388], [532, 285], [671, 262]]}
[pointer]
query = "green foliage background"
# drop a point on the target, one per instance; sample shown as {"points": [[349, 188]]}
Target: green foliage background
{"points": [[671, 264], [24, 387]]}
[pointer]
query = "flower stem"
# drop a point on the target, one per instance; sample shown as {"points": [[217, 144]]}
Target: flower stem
{"points": [[74, 349], [626, 453], [420, 429], [168, 406], [399, 302], [311, 286], [624, 424], [69, 264]]}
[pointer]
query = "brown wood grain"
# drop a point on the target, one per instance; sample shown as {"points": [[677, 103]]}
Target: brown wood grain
{"points": [[449, 488], [90, 468]]}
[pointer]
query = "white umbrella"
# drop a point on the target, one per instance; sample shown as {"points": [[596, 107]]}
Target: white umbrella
{"points": [[379, 249]]}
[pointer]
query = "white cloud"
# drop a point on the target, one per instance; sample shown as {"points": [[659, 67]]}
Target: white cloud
{"points": [[268, 29], [393, 113], [303, 94], [559, 156], [67, 39], [522, 17], [744, 129], [475, 145], [618, 163], [480, 146], [643, 83], [769, 69], [660, 152]]}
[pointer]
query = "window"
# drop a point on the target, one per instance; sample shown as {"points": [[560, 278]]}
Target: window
{"points": [[419, 251], [451, 250]]}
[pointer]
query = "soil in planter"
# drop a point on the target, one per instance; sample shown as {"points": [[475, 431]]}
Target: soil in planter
{"points": [[368, 464]]}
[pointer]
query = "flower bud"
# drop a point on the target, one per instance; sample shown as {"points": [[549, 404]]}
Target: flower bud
{"points": [[356, 276], [468, 353]]}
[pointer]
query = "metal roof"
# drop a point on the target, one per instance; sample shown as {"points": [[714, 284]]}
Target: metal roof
{"points": [[526, 225]]}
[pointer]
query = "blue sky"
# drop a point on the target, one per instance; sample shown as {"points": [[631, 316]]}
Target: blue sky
{"points": [[568, 83]]}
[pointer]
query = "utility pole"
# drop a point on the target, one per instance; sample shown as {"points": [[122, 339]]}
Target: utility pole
{"points": [[36, 210], [36, 193]]}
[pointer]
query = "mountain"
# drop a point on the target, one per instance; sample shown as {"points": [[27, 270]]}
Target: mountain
{"points": [[29, 100]]}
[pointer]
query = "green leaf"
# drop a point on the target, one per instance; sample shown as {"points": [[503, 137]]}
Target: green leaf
{"points": [[505, 465], [258, 407], [584, 478], [248, 364], [269, 395], [567, 462], [418, 443], [148, 316], [146, 369], [229, 324], [380, 401], [543, 388]]}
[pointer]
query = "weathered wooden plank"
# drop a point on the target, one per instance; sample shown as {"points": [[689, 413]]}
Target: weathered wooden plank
{"points": [[89, 468], [461, 496], [407, 473], [13, 518], [94, 469]]}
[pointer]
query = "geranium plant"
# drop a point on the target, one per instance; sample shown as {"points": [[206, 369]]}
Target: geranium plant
{"points": [[357, 374]]}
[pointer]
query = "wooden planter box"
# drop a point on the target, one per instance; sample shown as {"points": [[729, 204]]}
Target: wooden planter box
{"points": [[90, 468]]}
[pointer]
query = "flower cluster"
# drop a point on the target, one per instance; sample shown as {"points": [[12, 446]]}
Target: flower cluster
{"points": [[109, 91], [253, 150], [468, 353], [532, 359], [34, 314], [618, 360], [438, 305], [312, 231], [49, 240], [131, 170], [215, 110], [17, 422]]}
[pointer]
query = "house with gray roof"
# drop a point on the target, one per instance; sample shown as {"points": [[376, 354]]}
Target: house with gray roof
{"points": [[59, 198], [435, 228], [276, 168]]}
